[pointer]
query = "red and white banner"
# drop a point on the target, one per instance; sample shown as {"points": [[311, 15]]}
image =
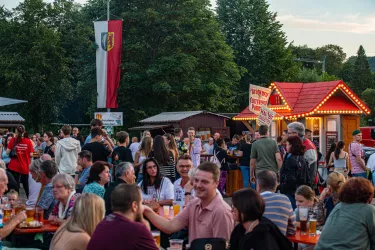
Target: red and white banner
{"points": [[258, 96], [108, 37], [265, 116]]}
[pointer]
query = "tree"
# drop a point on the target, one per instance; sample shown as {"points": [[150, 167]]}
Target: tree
{"points": [[259, 44], [334, 56], [311, 75], [362, 78], [368, 97], [174, 57], [347, 72], [34, 67]]}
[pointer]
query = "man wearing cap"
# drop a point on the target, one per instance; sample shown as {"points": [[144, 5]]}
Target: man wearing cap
{"points": [[356, 155]]}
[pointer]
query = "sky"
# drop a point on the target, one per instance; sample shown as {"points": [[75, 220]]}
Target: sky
{"points": [[347, 23]]}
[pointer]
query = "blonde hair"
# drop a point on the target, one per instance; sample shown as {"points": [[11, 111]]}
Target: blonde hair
{"points": [[12, 192], [335, 180], [88, 212]]}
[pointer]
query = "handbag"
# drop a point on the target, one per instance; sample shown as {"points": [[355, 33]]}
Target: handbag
{"points": [[13, 153]]}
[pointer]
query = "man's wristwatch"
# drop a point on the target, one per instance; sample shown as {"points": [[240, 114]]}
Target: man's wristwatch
{"points": [[77, 172], [187, 193]]}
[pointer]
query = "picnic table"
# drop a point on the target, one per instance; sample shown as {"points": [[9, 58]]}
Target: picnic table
{"points": [[303, 239], [46, 228]]}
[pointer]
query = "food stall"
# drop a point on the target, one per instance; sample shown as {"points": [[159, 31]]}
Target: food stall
{"points": [[205, 123], [331, 110]]}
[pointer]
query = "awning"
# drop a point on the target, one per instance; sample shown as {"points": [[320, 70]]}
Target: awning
{"points": [[151, 127], [8, 101], [10, 117]]}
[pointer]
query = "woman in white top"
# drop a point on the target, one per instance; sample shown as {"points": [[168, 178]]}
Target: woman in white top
{"points": [[157, 190], [339, 159], [76, 233], [141, 155]]}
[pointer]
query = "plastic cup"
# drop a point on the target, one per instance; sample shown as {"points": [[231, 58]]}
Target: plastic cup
{"points": [[166, 211], [176, 244], [303, 215]]}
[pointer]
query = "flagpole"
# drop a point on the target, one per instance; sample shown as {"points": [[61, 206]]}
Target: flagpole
{"points": [[108, 109]]}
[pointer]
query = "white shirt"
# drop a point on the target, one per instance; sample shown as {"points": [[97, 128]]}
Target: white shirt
{"points": [[209, 148], [165, 192], [371, 162], [34, 189], [134, 148]]}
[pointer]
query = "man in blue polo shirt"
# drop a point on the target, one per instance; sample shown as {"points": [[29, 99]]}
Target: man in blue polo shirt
{"points": [[85, 161]]}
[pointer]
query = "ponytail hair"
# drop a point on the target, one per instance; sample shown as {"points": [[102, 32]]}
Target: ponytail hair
{"points": [[20, 130], [340, 145]]}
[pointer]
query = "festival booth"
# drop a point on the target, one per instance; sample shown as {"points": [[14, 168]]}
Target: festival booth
{"points": [[330, 110], [206, 123]]}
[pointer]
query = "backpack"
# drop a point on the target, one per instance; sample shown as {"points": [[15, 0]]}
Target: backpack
{"points": [[215, 160], [304, 172]]}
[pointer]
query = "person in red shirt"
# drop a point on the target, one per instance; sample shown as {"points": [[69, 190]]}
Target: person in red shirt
{"points": [[20, 149]]}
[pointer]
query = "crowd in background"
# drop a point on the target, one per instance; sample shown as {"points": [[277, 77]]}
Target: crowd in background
{"points": [[102, 191]]}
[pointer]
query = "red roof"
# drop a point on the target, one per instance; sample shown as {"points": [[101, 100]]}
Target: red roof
{"points": [[304, 99], [338, 103]]}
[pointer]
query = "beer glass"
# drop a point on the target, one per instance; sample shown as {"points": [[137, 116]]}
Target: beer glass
{"points": [[30, 213], [176, 208], [156, 236], [166, 211], [303, 215], [7, 208], [312, 223], [39, 214]]}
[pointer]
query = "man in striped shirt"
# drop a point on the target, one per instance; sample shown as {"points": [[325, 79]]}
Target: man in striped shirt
{"points": [[278, 207]]}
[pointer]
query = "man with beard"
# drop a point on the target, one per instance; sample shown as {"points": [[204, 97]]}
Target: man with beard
{"points": [[206, 216], [125, 228]]}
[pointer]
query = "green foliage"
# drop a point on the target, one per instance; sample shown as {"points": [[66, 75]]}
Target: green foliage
{"points": [[33, 65], [334, 54], [174, 58], [368, 96], [259, 44], [362, 78], [311, 75]]}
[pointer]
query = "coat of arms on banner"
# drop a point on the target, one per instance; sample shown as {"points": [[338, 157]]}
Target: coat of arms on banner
{"points": [[108, 40]]}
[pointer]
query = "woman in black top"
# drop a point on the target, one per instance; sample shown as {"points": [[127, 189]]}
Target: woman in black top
{"points": [[221, 154], [164, 157], [245, 161], [253, 230], [50, 144], [291, 168]]}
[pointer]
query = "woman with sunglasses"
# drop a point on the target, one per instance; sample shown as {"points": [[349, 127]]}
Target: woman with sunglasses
{"points": [[157, 190]]}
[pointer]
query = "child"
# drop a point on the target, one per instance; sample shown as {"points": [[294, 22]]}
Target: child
{"points": [[12, 196]]}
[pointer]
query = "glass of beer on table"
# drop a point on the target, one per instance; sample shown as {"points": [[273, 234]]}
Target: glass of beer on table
{"points": [[19, 205], [312, 222], [30, 213], [156, 236], [303, 216], [7, 208], [39, 214]]}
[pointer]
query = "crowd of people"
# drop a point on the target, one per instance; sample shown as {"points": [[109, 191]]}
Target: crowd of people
{"points": [[108, 194]]}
